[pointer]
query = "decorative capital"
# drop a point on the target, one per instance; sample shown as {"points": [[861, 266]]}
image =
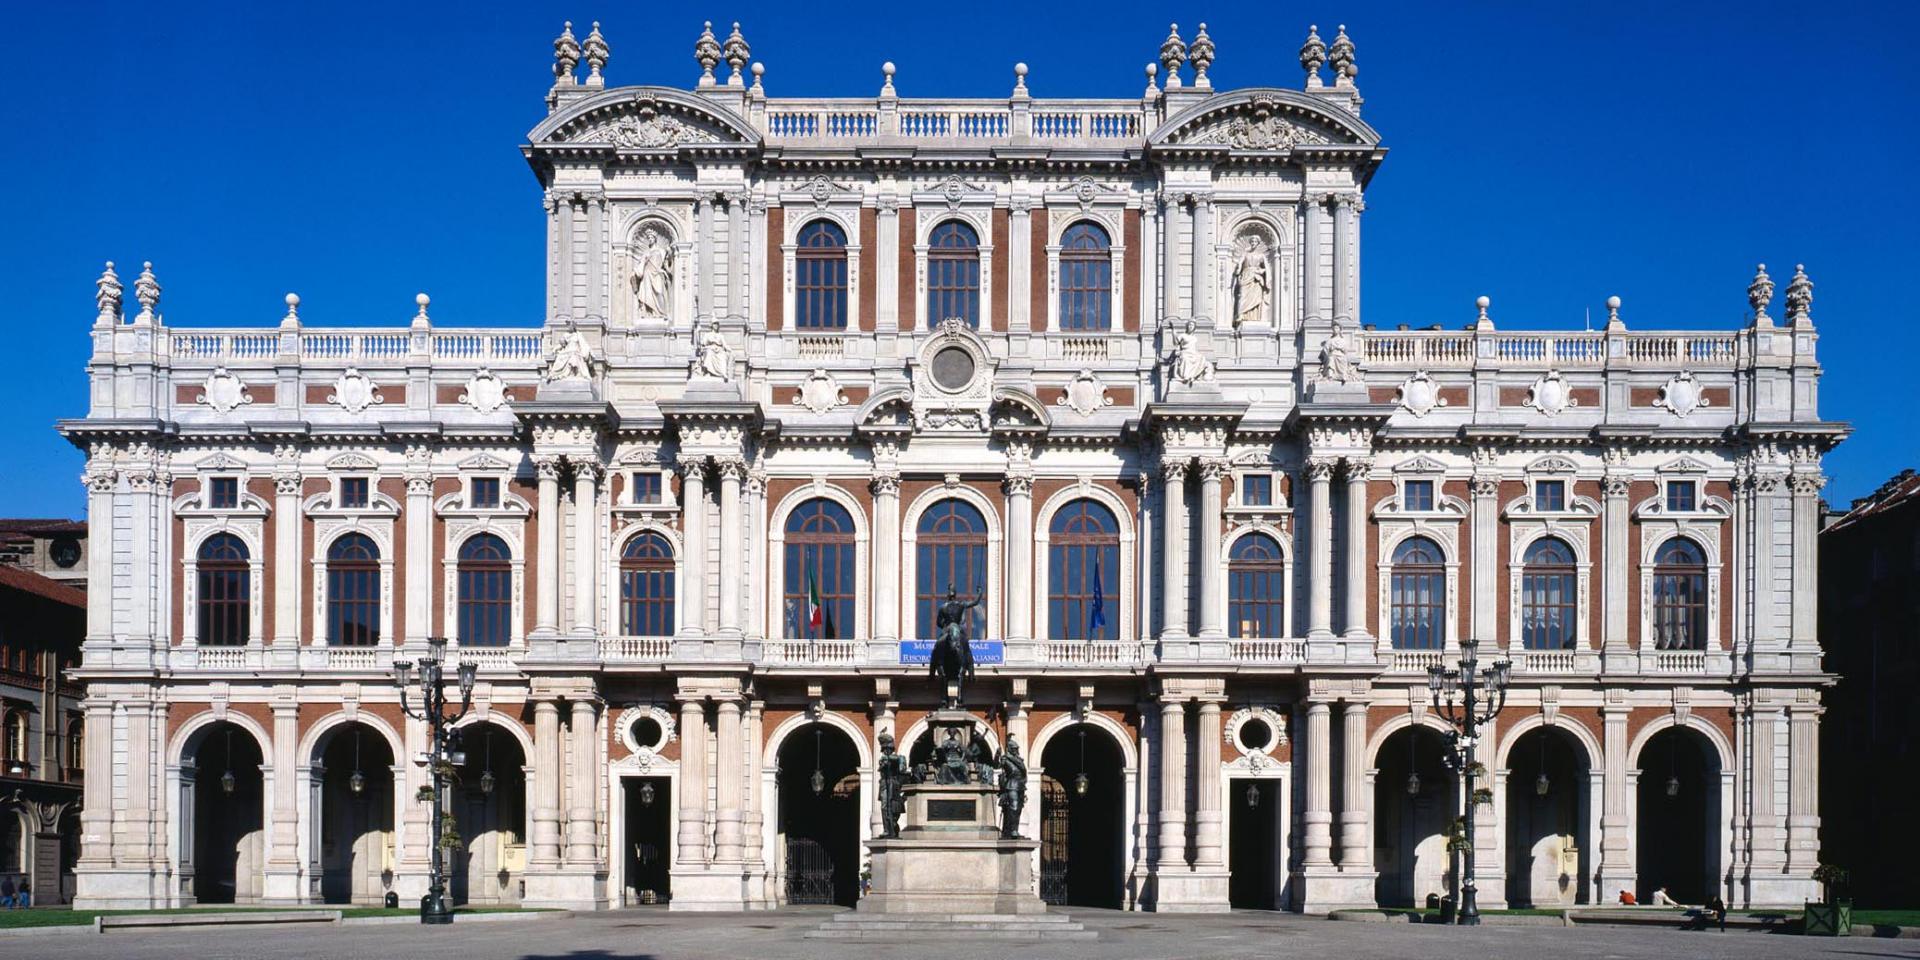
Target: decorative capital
{"points": [[1615, 485], [1807, 484], [885, 484], [731, 468], [418, 486], [1357, 468], [99, 481], [1174, 471], [1485, 486], [1017, 486], [1214, 469], [1320, 469], [546, 466], [287, 484]]}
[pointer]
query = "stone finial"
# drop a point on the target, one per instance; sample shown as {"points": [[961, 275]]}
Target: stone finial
{"points": [[146, 289], [706, 51], [107, 293], [1173, 53], [1483, 322], [886, 86], [1340, 56], [1019, 79], [566, 54], [1153, 89], [759, 71], [737, 53], [1800, 296], [293, 309], [597, 53], [1313, 53], [1613, 315], [420, 317], [1760, 294], [1200, 54]]}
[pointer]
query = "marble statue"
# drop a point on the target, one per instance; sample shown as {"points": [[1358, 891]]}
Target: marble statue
{"points": [[712, 359], [1336, 361], [572, 361], [1251, 291], [653, 276], [1186, 362]]}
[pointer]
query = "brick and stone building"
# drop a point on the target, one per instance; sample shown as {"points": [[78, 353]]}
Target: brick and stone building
{"points": [[806, 364]]}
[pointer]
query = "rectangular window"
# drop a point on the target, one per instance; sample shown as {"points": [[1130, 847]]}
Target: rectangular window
{"points": [[647, 488], [353, 492], [1549, 496], [486, 493], [223, 493], [1256, 490], [1417, 495], [1681, 497]]}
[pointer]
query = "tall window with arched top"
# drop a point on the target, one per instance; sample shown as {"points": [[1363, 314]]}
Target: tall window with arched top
{"points": [[353, 592], [485, 604], [1680, 596], [17, 739], [646, 587], [820, 277], [1083, 573], [1086, 278], [1256, 588], [950, 550], [1549, 596], [1417, 595], [225, 591], [953, 274], [818, 595]]}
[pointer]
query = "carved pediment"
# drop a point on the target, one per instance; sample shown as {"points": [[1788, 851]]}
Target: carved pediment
{"points": [[482, 463], [643, 119], [1257, 125], [1267, 119], [1420, 464], [1552, 464], [351, 461]]}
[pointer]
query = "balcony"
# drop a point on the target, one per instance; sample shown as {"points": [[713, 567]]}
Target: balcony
{"points": [[813, 653], [1269, 651], [635, 649], [1458, 350], [928, 122]]}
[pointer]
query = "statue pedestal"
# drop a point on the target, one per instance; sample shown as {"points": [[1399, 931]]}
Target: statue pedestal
{"points": [[951, 859]]}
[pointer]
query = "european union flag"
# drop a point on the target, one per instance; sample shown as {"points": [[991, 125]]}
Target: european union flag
{"points": [[1097, 613]]}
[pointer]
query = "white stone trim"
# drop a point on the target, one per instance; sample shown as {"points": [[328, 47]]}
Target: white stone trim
{"points": [[1129, 556], [777, 555], [996, 554], [617, 549]]}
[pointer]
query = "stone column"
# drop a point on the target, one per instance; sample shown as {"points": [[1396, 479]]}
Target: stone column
{"points": [[1019, 264], [1173, 785], [1170, 259], [100, 481], [756, 575], [1618, 566], [546, 616], [1207, 821], [286, 563], [1019, 490], [755, 829], [693, 533], [141, 569], [886, 280], [1314, 289], [1486, 553], [1768, 852], [135, 844], [1803, 792], [419, 560], [96, 791], [1320, 549], [705, 283], [1213, 606], [583, 840], [546, 782], [1203, 258], [1804, 643], [693, 782], [886, 555], [1616, 804], [732, 471], [1356, 840], [586, 540], [596, 258], [737, 255], [563, 243], [1343, 260], [728, 847], [1357, 468], [283, 816], [1173, 560], [1317, 848]]}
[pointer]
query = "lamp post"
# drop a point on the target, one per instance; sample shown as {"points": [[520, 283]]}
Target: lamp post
{"points": [[1469, 697], [439, 756]]}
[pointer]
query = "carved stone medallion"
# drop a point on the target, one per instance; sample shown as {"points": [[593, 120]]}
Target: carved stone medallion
{"points": [[1550, 394], [354, 392], [1420, 395], [223, 391], [1085, 394], [1681, 395], [485, 391], [820, 393]]}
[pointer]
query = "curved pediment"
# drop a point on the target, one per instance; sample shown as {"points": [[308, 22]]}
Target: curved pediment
{"points": [[1264, 118], [644, 118]]}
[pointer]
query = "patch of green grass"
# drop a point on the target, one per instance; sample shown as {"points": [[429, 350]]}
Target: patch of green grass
{"points": [[1889, 918], [64, 917]]}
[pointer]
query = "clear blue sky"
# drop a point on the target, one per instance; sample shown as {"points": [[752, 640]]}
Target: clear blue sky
{"points": [[1545, 154]]}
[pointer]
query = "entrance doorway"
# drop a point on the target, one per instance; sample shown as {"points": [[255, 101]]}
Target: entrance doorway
{"points": [[355, 780], [1677, 831], [1415, 797], [649, 838], [1548, 797], [490, 811], [222, 804], [1253, 839], [819, 786], [1082, 813]]}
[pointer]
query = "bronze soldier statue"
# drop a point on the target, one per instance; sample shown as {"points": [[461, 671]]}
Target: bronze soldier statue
{"points": [[894, 777], [1013, 789], [952, 659]]}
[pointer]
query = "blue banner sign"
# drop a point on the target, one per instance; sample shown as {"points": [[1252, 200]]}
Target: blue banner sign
{"points": [[985, 652]]}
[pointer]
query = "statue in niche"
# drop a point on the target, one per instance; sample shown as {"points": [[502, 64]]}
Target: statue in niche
{"points": [[1336, 359], [1251, 288], [1013, 789], [653, 275], [1186, 362], [712, 358], [572, 361], [894, 776]]}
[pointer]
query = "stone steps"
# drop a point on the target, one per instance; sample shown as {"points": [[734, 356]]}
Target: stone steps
{"points": [[964, 926]]}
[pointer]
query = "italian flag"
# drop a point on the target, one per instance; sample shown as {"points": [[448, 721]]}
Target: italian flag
{"points": [[819, 621]]}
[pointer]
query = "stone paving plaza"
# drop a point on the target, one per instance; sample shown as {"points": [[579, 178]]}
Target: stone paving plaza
{"points": [[658, 935]]}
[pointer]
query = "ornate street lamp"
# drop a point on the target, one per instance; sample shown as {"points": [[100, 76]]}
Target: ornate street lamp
{"points": [[1468, 697], [358, 782], [819, 779], [440, 755], [1541, 785], [1080, 779], [646, 793], [228, 783], [1413, 761], [1253, 794], [486, 776]]}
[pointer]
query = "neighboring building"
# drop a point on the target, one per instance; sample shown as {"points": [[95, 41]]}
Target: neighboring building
{"points": [[1870, 763], [806, 364], [41, 737], [55, 549]]}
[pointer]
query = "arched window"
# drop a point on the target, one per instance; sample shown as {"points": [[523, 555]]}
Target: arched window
{"points": [[17, 739], [820, 277], [953, 274], [353, 592], [1418, 594], [819, 589], [1083, 573], [76, 748], [1086, 279], [950, 549], [225, 587], [486, 592], [1549, 596], [1680, 596], [646, 587], [1256, 588]]}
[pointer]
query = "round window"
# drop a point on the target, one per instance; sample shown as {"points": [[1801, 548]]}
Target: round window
{"points": [[65, 552], [1255, 735], [646, 732], [953, 368]]}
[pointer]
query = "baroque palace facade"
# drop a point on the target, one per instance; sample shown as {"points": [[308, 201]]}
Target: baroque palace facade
{"points": [[808, 364]]}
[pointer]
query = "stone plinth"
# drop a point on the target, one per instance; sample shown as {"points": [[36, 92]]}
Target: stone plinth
{"points": [[951, 859]]}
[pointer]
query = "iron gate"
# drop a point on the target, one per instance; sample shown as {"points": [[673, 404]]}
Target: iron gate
{"points": [[809, 872], [1053, 841]]}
